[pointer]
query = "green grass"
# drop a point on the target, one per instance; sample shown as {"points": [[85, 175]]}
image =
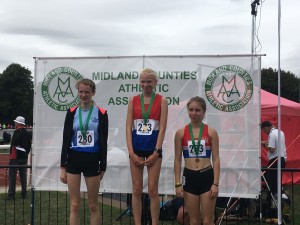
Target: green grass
{"points": [[52, 208], [295, 193], [294, 213]]}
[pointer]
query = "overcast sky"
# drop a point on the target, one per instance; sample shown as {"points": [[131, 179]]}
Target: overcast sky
{"points": [[35, 28]]}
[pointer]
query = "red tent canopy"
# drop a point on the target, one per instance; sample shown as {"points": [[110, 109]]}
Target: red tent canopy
{"points": [[290, 125]]}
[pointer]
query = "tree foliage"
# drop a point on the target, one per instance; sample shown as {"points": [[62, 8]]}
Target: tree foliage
{"points": [[16, 91], [288, 81]]}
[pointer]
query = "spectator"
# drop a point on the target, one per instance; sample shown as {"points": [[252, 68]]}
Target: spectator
{"points": [[274, 151], [6, 137], [19, 150], [175, 209]]}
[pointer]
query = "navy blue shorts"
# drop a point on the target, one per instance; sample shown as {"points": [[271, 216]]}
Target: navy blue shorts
{"points": [[83, 162], [198, 182], [146, 154]]}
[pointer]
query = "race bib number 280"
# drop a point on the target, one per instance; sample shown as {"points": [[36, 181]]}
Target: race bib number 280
{"points": [[88, 141]]}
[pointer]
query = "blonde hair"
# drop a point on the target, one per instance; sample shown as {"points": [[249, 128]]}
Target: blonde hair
{"points": [[149, 72], [198, 99], [86, 82]]}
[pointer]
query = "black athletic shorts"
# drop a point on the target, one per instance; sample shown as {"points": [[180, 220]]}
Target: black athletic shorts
{"points": [[198, 182], [145, 154], [83, 162]]}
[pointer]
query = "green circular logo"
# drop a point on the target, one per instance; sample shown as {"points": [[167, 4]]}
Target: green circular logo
{"points": [[229, 88], [58, 88]]}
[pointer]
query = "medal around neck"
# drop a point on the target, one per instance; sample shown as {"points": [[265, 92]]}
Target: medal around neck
{"points": [[196, 147], [146, 114], [84, 127]]}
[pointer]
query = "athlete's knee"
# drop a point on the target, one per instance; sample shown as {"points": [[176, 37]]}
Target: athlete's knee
{"points": [[153, 192], [75, 206], [194, 221], [137, 191], [207, 221], [94, 208]]}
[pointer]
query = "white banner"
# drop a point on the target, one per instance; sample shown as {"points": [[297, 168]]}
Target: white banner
{"points": [[230, 85]]}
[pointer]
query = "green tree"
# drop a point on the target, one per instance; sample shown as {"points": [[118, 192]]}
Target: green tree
{"points": [[16, 91], [288, 81]]}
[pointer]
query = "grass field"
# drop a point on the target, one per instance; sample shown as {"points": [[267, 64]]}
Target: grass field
{"points": [[53, 208], [291, 213]]}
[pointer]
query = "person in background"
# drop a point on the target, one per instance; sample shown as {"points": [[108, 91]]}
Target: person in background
{"points": [[84, 150], [182, 213], [274, 151], [145, 130], [19, 149], [183, 216], [174, 209], [198, 143], [6, 137]]}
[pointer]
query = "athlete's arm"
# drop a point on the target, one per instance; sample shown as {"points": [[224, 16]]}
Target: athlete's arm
{"points": [[177, 161], [162, 123], [215, 156], [129, 123]]}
